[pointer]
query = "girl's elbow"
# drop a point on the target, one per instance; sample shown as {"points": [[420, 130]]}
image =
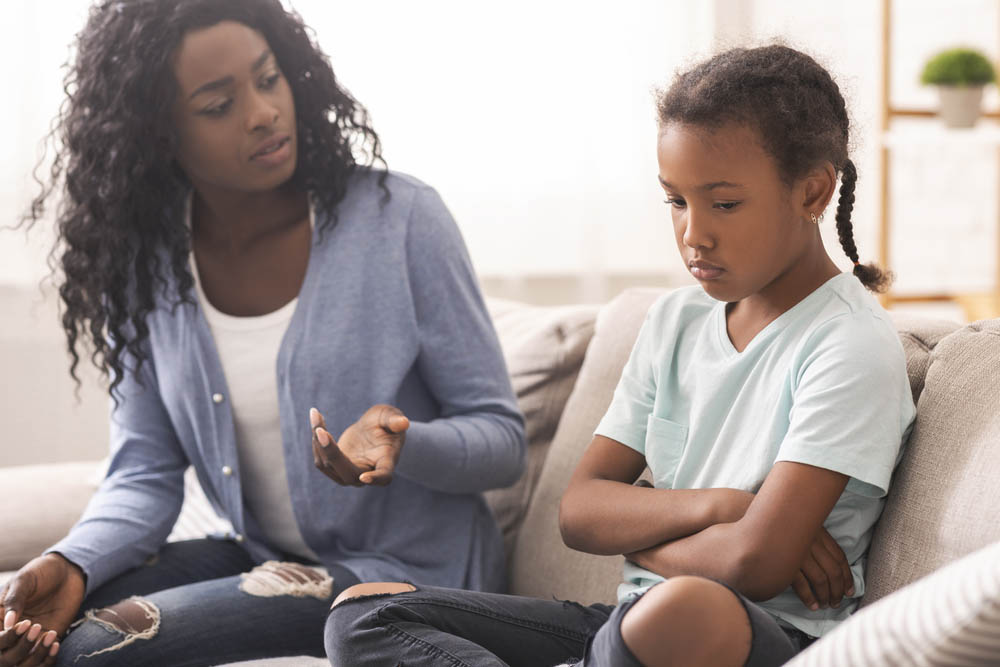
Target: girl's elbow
{"points": [[570, 527], [757, 575]]}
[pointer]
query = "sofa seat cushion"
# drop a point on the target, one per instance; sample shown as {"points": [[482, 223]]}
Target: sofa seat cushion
{"points": [[945, 498], [951, 617]]}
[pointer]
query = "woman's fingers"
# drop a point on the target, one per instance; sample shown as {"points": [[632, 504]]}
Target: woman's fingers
{"points": [[319, 460], [44, 651], [27, 634], [334, 460], [392, 419]]}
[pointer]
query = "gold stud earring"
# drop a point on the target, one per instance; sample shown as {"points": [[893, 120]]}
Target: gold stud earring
{"points": [[813, 218]]}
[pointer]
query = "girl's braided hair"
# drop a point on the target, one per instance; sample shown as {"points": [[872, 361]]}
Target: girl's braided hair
{"points": [[119, 231], [795, 107]]}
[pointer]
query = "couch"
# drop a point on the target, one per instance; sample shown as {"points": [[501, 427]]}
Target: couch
{"points": [[933, 589]]}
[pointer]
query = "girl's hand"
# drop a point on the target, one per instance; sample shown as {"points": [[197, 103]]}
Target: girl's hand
{"points": [[24, 644], [825, 576], [366, 452]]}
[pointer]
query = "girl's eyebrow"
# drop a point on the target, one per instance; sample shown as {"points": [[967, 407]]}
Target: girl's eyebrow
{"points": [[226, 80], [707, 186]]}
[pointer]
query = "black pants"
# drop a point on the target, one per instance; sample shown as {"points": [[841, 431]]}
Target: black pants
{"points": [[444, 627]]}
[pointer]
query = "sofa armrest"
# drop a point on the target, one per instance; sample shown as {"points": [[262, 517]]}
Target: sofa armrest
{"points": [[41, 504]]}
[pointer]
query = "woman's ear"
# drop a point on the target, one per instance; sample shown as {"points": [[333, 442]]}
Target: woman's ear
{"points": [[817, 189]]}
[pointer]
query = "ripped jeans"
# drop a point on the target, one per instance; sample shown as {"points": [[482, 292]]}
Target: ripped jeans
{"points": [[190, 606], [440, 627]]}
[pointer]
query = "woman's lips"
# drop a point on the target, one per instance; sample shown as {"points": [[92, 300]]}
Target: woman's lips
{"points": [[274, 154]]}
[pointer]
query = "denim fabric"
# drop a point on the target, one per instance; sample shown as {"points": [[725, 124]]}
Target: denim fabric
{"points": [[205, 619], [435, 627]]}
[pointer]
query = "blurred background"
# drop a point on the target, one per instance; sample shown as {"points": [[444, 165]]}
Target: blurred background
{"points": [[535, 121]]}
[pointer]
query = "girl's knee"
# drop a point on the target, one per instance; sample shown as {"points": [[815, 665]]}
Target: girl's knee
{"points": [[689, 614], [374, 589], [346, 621]]}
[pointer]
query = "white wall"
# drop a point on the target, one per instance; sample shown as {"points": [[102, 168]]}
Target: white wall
{"points": [[535, 120]]}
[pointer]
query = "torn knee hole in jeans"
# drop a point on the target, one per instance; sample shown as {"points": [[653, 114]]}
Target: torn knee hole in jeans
{"points": [[347, 596], [133, 619], [273, 579]]}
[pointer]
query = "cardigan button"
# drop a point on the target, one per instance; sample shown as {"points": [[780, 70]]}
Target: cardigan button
{"points": [[218, 398], [239, 538], [227, 471]]}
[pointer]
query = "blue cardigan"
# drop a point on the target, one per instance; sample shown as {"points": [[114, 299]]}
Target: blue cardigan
{"points": [[389, 312]]}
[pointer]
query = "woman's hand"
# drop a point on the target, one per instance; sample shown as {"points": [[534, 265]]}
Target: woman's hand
{"points": [[26, 645], [366, 452], [825, 576], [49, 591]]}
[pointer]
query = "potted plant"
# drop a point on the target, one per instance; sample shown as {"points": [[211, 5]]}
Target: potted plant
{"points": [[960, 75]]}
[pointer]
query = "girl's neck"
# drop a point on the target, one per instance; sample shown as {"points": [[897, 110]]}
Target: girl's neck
{"points": [[236, 221], [800, 280]]}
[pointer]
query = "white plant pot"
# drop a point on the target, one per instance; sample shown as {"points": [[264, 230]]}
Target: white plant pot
{"points": [[960, 105]]}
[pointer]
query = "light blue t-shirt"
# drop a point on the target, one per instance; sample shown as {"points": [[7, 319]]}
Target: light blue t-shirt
{"points": [[824, 384]]}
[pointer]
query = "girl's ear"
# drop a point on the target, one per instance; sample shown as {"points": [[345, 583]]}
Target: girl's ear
{"points": [[817, 188]]}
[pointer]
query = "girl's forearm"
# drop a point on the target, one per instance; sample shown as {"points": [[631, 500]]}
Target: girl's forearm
{"points": [[610, 517]]}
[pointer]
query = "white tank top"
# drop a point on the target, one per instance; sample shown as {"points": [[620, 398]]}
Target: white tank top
{"points": [[248, 350]]}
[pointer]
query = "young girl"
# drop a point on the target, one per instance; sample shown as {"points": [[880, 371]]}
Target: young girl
{"points": [[232, 265], [769, 404]]}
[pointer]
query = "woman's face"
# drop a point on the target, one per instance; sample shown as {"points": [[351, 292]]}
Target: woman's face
{"points": [[736, 227], [234, 113]]}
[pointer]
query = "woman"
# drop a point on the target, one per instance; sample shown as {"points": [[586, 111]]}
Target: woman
{"points": [[233, 267]]}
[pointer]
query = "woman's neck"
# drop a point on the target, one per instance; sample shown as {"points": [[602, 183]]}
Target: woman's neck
{"points": [[236, 221]]}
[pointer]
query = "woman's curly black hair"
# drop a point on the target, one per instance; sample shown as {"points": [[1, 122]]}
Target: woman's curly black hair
{"points": [[796, 108], [119, 227]]}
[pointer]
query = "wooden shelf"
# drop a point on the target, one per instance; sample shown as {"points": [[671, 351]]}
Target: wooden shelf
{"points": [[899, 134]]}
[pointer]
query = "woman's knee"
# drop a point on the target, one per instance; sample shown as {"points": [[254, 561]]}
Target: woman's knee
{"points": [[105, 632]]}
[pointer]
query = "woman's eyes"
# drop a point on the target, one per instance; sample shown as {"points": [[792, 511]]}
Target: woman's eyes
{"points": [[726, 205], [676, 202], [218, 109], [267, 83]]}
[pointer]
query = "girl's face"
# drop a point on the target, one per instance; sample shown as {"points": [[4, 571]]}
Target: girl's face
{"points": [[234, 113], [735, 221]]}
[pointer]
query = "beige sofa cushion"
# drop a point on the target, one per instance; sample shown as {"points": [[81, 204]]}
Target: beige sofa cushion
{"points": [[29, 526], [945, 497], [543, 566], [543, 348]]}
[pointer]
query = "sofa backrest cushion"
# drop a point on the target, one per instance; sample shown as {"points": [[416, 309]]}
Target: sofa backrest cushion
{"points": [[542, 566], [543, 348], [945, 497]]}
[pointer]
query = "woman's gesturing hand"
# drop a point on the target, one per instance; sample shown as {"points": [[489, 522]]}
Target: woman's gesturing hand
{"points": [[825, 576], [366, 452]]}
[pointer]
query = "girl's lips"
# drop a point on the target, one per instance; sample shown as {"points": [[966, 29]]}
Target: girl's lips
{"points": [[705, 271]]}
